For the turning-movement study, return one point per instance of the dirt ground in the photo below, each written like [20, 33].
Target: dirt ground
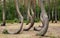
[53, 31]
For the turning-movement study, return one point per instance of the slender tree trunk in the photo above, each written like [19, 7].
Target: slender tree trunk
[55, 6]
[3, 12]
[52, 11]
[52, 15]
[33, 5]
[48, 9]
[26, 3]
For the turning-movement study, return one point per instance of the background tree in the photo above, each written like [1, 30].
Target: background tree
[55, 9]
[20, 19]
[3, 11]
[30, 15]
[49, 9]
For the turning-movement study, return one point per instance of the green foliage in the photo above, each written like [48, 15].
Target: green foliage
[12, 16]
[0, 12]
[10, 11]
[37, 20]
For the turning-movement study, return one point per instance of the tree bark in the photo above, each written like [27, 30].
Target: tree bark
[48, 9]
[52, 15]
[3, 12]
[31, 17]
[44, 20]
[20, 18]
[55, 6]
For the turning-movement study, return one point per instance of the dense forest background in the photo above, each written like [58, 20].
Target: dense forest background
[11, 15]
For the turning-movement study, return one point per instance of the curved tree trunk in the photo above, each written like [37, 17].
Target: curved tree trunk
[33, 5]
[31, 20]
[20, 17]
[44, 20]
[3, 12]
[33, 11]
[30, 17]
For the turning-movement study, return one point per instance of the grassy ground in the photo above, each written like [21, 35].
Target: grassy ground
[53, 31]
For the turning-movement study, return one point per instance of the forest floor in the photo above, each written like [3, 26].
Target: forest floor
[53, 31]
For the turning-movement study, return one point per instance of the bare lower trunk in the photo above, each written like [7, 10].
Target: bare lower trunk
[44, 20]
[52, 15]
[55, 5]
[20, 17]
[31, 20]
[3, 12]
[30, 17]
